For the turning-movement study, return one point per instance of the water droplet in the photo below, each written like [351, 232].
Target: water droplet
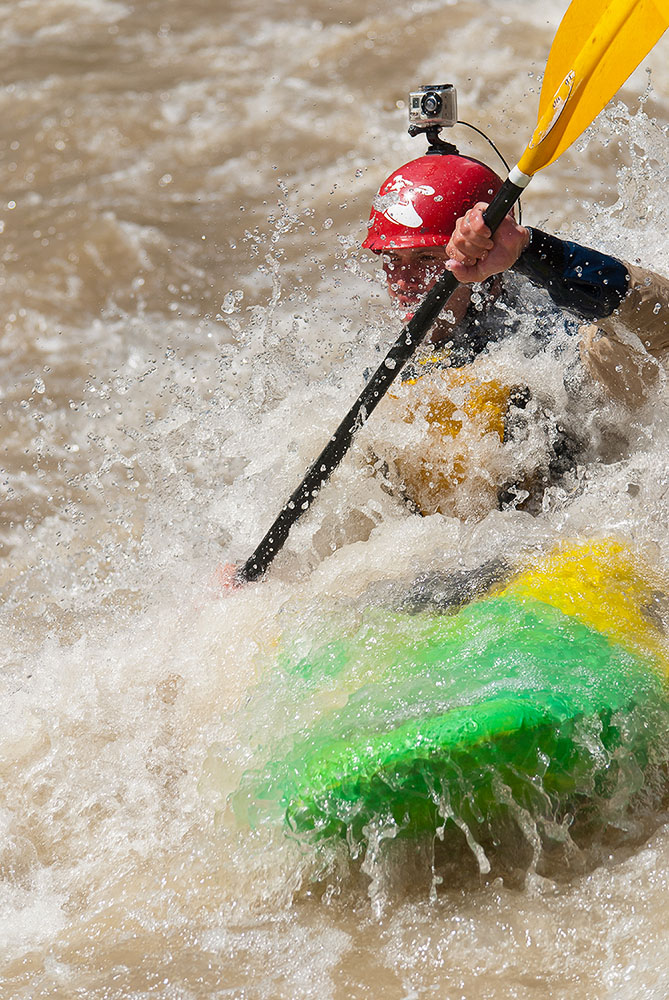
[231, 300]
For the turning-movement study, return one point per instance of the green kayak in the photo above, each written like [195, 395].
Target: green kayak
[546, 693]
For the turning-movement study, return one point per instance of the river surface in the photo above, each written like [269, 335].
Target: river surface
[186, 317]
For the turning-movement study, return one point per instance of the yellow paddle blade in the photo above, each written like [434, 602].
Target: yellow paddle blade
[597, 46]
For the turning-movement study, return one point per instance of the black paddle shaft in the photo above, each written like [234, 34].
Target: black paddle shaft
[405, 345]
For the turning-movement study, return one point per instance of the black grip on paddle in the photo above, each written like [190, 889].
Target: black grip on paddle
[504, 200]
[328, 460]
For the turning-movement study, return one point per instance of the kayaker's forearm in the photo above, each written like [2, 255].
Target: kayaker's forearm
[631, 371]
[627, 373]
[644, 310]
[588, 283]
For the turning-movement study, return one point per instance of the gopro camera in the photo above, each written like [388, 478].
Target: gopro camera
[434, 106]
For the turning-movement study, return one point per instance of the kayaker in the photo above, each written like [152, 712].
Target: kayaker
[427, 216]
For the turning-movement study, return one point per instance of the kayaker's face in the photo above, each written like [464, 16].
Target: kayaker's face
[411, 273]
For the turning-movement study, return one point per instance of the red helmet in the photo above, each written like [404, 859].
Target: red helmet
[419, 204]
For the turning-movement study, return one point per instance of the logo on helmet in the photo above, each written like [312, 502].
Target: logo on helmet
[397, 205]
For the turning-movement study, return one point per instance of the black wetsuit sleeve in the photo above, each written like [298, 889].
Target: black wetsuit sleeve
[586, 282]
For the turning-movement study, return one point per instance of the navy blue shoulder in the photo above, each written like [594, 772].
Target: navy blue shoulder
[586, 282]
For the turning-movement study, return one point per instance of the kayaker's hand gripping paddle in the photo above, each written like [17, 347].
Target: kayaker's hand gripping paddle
[597, 46]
